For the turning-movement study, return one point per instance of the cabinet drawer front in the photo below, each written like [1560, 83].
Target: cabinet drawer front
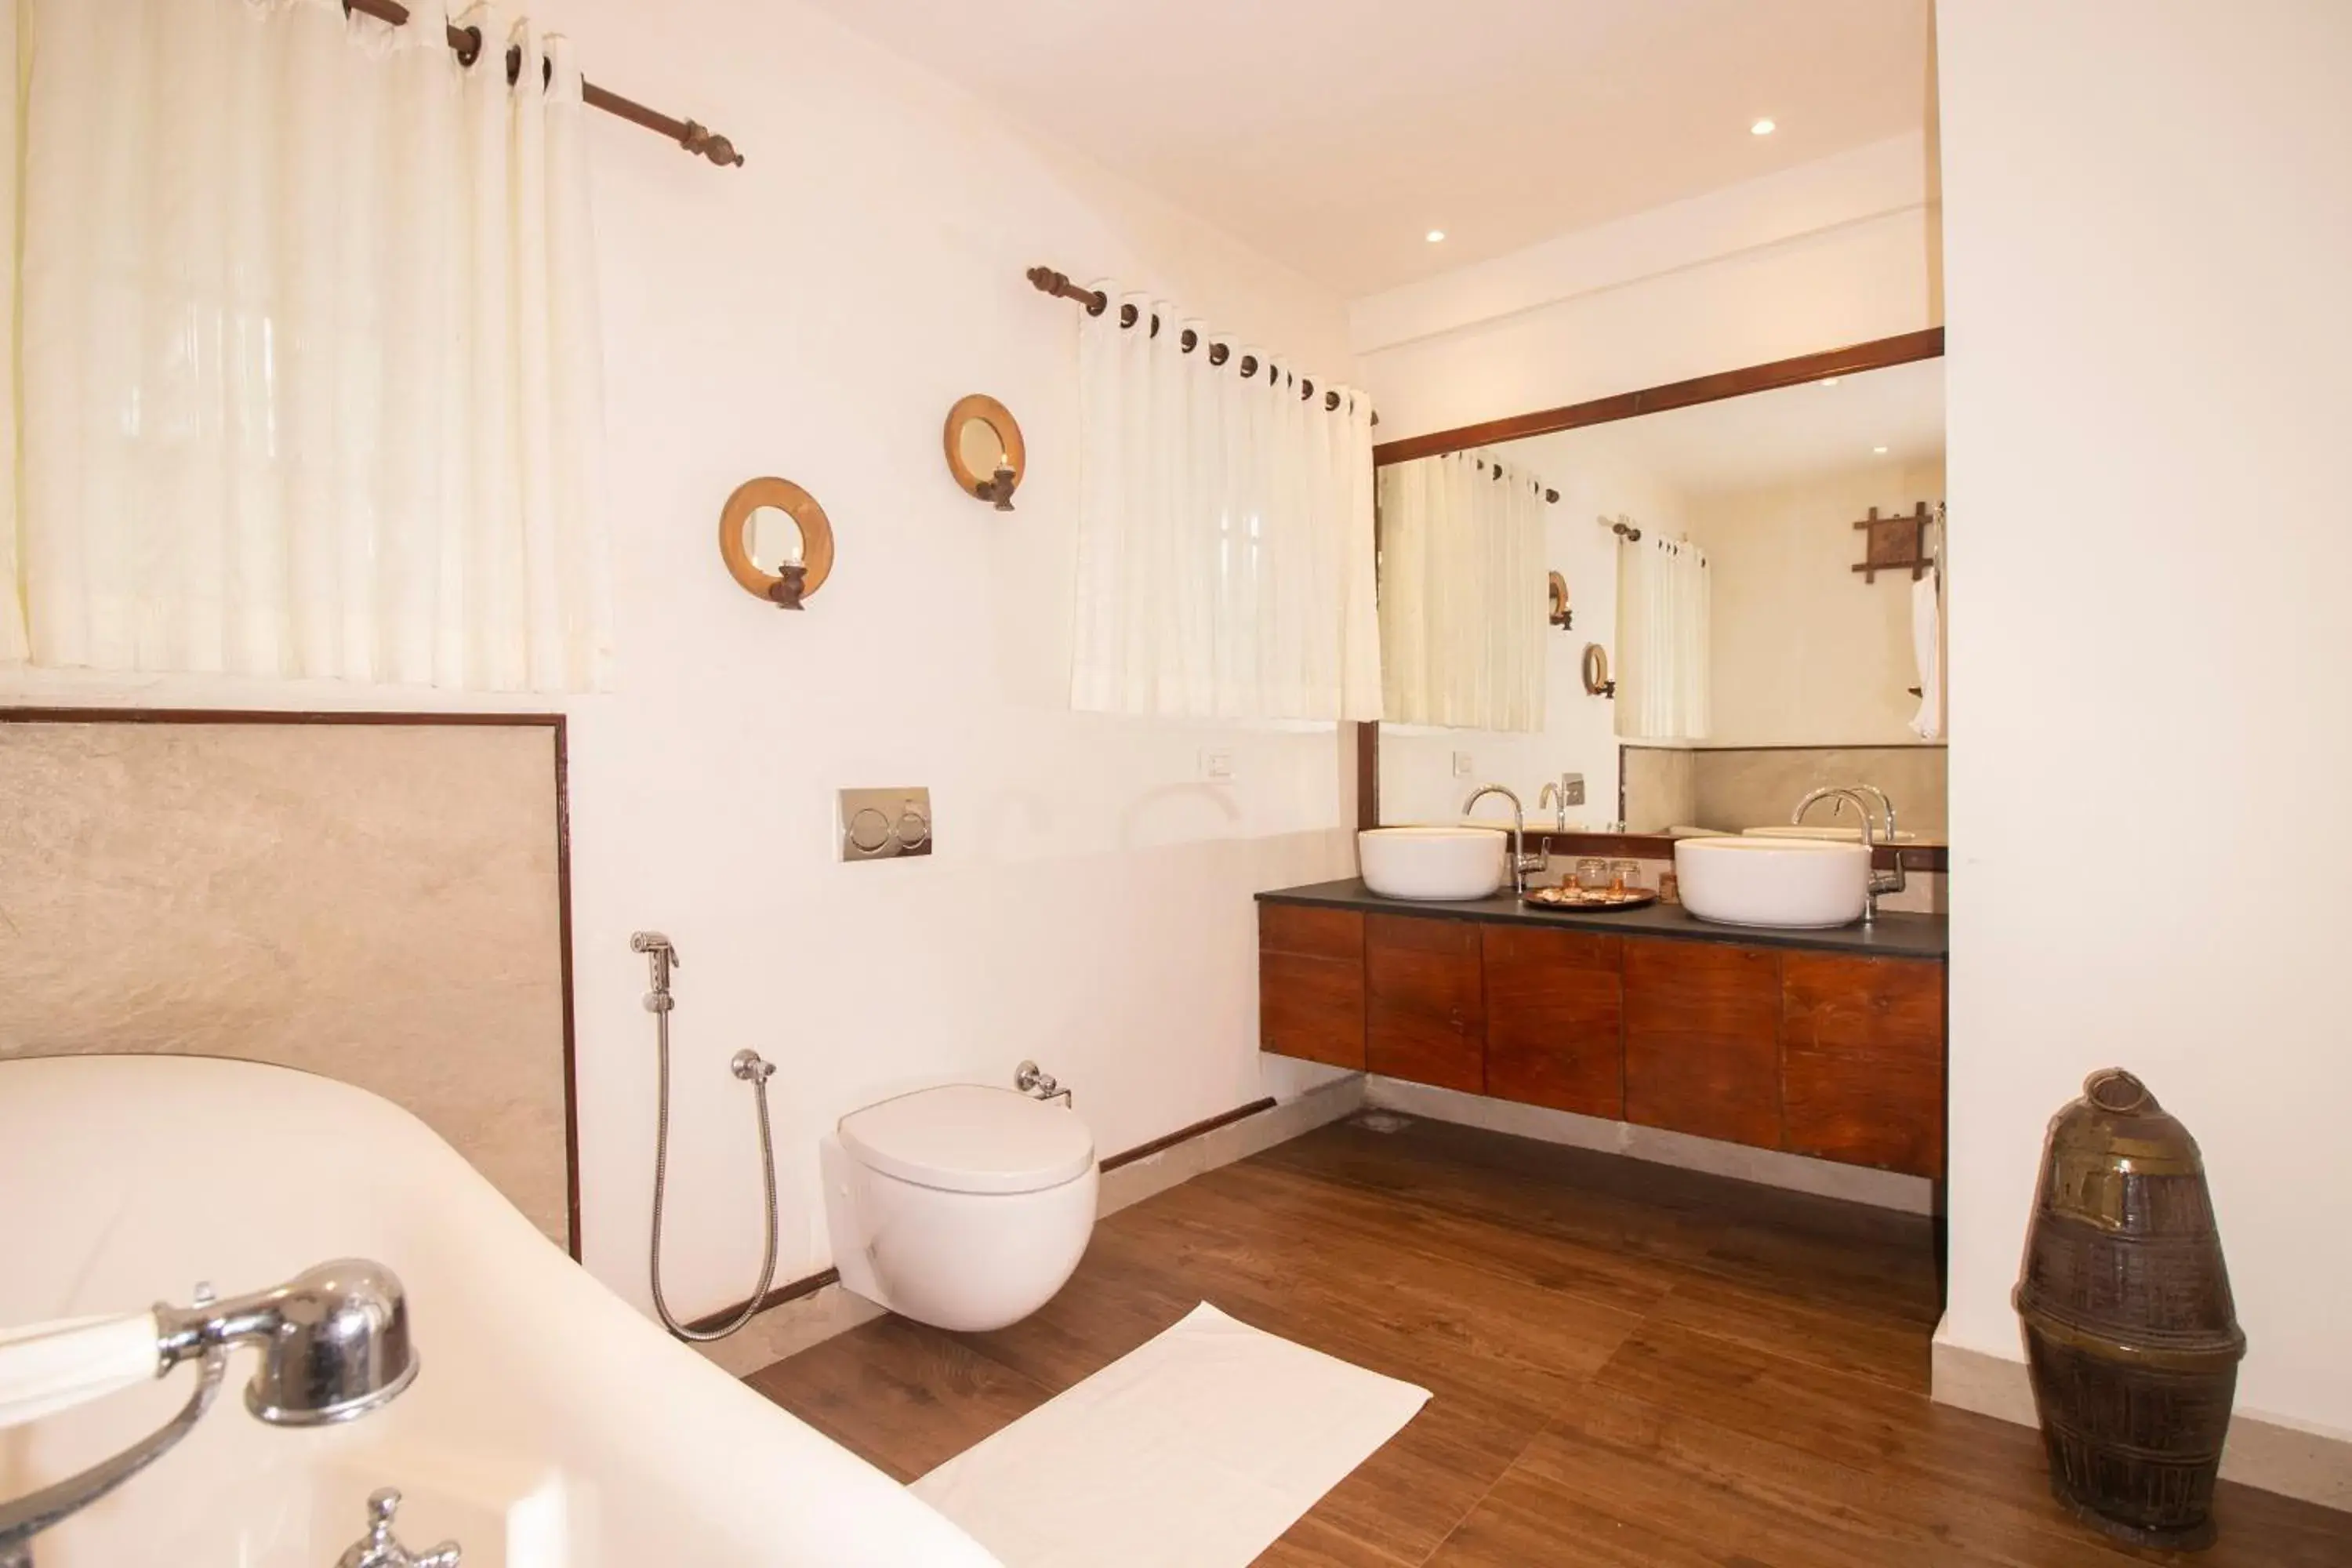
[1555, 1020]
[1315, 933]
[1862, 1060]
[1702, 1039]
[1312, 1009]
[1424, 1002]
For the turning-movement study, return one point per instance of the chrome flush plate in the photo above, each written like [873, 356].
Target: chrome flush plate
[885, 823]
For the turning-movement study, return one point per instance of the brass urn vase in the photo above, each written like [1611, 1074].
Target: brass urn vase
[2131, 1335]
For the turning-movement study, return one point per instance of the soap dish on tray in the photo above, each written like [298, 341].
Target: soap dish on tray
[1584, 900]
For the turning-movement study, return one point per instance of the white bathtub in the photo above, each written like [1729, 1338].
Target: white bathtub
[550, 1423]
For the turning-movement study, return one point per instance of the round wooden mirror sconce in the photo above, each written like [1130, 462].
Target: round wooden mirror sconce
[1561, 616]
[985, 452]
[776, 540]
[1596, 671]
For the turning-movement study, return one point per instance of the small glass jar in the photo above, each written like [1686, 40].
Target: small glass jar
[1625, 876]
[1592, 874]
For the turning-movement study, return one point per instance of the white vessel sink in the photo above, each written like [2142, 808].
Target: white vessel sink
[1806, 883]
[1434, 862]
[1839, 835]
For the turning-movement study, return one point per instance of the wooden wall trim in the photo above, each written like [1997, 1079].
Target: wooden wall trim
[1186, 1134]
[1880, 353]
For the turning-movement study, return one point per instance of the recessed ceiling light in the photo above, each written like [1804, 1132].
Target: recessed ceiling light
[1435, 237]
[1763, 128]
[1881, 451]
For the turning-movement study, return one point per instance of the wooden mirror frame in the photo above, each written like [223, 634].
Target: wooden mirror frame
[816, 540]
[999, 418]
[1879, 353]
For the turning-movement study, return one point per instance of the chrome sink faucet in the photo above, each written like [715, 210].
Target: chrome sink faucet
[1877, 882]
[1555, 797]
[1521, 861]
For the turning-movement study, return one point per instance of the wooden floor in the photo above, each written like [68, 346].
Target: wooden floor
[1631, 1366]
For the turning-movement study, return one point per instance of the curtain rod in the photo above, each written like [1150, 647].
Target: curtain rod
[466, 44]
[1048, 281]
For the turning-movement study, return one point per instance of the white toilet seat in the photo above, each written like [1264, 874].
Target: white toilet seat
[970, 1138]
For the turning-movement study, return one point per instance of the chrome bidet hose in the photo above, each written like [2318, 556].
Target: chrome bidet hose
[748, 1065]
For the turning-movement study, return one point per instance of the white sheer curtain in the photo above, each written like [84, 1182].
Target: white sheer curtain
[1465, 596]
[307, 354]
[1662, 651]
[1224, 530]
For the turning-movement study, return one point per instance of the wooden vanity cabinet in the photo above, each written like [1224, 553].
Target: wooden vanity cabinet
[1555, 1020]
[1424, 1002]
[1862, 1052]
[1703, 1040]
[1834, 1055]
[1310, 984]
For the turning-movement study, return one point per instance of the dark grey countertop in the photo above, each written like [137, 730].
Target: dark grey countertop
[1894, 936]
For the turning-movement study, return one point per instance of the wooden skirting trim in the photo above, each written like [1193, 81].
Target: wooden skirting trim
[816, 1283]
[1184, 1134]
[775, 1297]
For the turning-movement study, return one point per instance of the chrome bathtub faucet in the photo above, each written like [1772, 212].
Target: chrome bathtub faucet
[380, 1550]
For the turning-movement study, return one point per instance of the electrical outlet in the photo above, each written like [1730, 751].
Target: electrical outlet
[1571, 788]
[1464, 765]
[1217, 767]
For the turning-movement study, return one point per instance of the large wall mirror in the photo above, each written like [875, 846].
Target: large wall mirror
[1713, 553]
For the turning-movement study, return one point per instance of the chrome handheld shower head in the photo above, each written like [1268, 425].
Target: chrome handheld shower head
[333, 1341]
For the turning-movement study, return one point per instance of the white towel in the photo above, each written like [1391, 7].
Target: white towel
[1926, 647]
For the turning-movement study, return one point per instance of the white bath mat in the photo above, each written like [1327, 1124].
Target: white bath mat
[1195, 1451]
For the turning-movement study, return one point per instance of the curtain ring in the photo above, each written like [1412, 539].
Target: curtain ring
[471, 49]
[1155, 324]
[1306, 390]
[1126, 315]
[1219, 352]
[1190, 340]
[1249, 366]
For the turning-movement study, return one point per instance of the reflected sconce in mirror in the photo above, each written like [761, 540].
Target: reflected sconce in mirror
[1596, 671]
[1561, 616]
[776, 540]
[985, 452]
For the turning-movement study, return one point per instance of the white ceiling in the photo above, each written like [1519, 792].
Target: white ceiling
[1333, 134]
[1767, 439]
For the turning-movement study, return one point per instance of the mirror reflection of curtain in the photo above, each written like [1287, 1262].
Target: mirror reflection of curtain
[308, 349]
[1225, 531]
[1662, 605]
[1465, 594]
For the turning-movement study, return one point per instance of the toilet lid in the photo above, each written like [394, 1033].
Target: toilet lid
[968, 1138]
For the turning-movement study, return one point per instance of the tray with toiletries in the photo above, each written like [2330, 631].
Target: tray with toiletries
[1589, 900]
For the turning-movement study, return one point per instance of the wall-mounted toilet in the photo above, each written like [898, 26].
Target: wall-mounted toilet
[963, 1206]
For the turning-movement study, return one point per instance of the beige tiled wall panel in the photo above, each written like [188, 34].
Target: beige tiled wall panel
[374, 902]
[1738, 787]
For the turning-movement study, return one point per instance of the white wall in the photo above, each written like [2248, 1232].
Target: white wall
[2147, 242]
[1803, 652]
[813, 314]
